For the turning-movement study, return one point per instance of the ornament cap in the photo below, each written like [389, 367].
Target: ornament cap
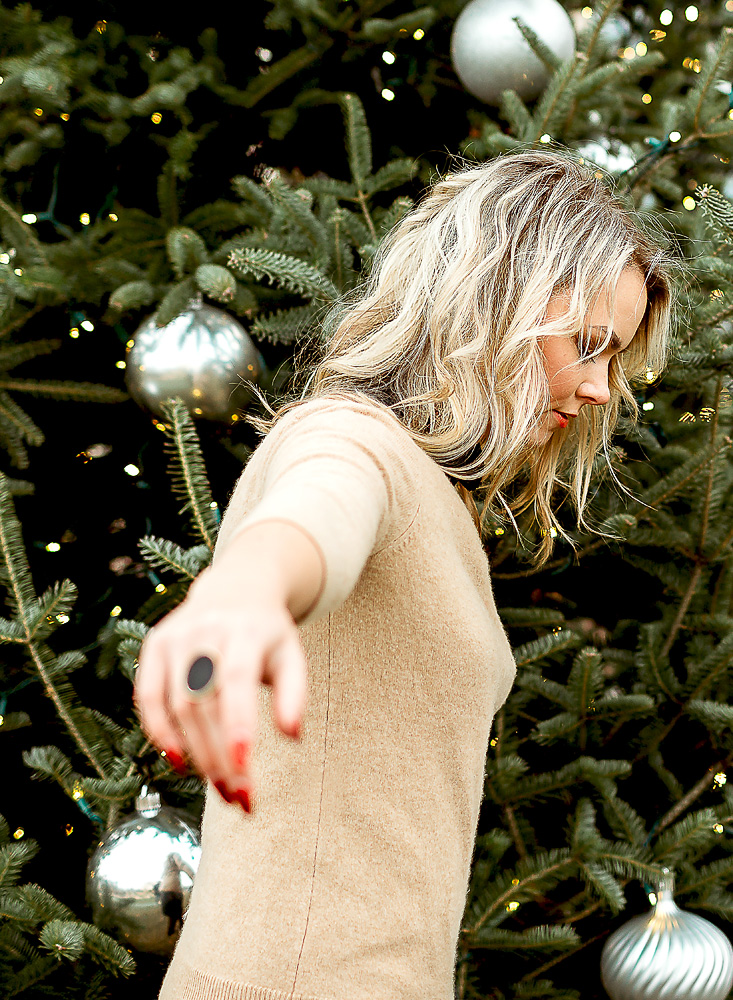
[147, 803]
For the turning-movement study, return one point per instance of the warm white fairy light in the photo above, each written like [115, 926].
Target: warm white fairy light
[132, 470]
[720, 778]
[388, 57]
[388, 94]
[546, 137]
[418, 35]
[689, 203]
[30, 218]
[116, 611]
[53, 547]
[587, 12]
[156, 118]
[691, 13]
[675, 136]
[666, 17]
[647, 406]
[641, 48]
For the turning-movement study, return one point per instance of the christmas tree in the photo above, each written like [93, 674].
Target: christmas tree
[153, 166]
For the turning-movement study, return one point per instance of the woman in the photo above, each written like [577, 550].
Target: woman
[334, 673]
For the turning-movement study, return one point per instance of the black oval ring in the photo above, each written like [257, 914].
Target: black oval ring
[200, 677]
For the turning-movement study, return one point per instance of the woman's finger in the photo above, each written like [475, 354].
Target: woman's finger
[287, 671]
[149, 696]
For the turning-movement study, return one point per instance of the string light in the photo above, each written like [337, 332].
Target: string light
[546, 137]
[156, 118]
[666, 17]
[18, 833]
[418, 35]
[657, 34]
[101, 27]
[641, 48]
[587, 13]
[629, 52]
[213, 505]
[646, 98]
[493, 742]
[74, 332]
[718, 828]
[512, 905]
[69, 829]
[38, 112]
[389, 57]
[63, 619]
[116, 610]
[720, 779]
[265, 55]
[653, 898]
[132, 470]
[120, 364]
[691, 13]
[53, 547]
[161, 588]
[30, 218]
[84, 218]
[498, 531]
[388, 94]
[675, 136]
[689, 203]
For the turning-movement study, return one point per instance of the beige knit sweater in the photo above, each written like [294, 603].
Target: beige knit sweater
[349, 880]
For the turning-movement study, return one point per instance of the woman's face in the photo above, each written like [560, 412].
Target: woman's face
[574, 383]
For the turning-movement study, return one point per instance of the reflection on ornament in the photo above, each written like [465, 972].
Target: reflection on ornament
[612, 155]
[139, 878]
[202, 356]
[667, 953]
[490, 53]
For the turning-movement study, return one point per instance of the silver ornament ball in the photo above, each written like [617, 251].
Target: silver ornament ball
[202, 356]
[140, 876]
[611, 154]
[667, 954]
[490, 53]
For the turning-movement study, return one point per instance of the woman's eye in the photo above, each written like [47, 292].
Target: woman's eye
[583, 350]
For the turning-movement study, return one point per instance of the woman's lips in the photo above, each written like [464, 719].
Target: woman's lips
[563, 421]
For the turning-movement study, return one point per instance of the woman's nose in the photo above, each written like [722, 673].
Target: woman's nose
[595, 390]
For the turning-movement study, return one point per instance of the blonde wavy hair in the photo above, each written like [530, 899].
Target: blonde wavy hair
[445, 331]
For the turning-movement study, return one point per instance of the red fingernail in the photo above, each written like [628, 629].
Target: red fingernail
[176, 761]
[222, 790]
[239, 754]
[242, 795]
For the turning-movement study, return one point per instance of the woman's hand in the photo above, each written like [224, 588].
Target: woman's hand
[251, 636]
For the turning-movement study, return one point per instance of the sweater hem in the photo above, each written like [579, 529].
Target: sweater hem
[199, 985]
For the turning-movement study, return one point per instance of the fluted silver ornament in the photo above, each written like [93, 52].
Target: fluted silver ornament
[140, 876]
[490, 54]
[667, 954]
[202, 356]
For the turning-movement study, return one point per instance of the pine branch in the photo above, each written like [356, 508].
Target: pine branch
[188, 471]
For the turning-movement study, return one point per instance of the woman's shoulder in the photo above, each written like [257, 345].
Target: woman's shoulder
[334, 408]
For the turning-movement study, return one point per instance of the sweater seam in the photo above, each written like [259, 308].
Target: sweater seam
[399, 538]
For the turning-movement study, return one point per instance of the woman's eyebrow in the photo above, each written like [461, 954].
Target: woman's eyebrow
[614, 342]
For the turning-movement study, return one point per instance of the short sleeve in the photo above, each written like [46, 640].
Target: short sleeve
[343, 473]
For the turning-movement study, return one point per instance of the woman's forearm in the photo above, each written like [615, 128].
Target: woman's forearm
[270, 559]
